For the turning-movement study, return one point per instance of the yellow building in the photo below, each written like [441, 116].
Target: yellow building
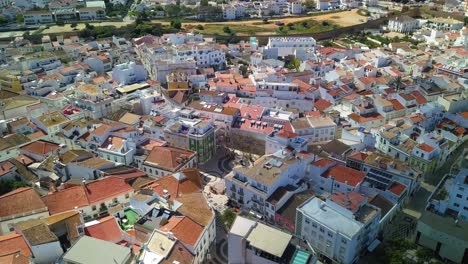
[10, 82]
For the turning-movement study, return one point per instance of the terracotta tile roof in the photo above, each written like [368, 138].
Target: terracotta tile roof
[65, 200]
[425, 147]
[381, 202]
[13, 243]
[464, 114]
[106, 229]
[364, 119]
[106, 188]
[102, 129]
[24, 159]
[169, 158]
[322, 104]
[180, 183]
[5, 167]
[323, 162]
[180, 254]
[14, 258]
[81, 196]
[286, 134]
[186, 230]
[345, 175]
[113, 143]
[22, 201]
[358, 156]
[195, 206]
[350, 201]
[420, 99]
[397, 188]
[396, 104]
[41, 147]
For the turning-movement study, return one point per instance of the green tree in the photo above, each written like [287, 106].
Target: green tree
[290, 26]
[173, 10]
[7, 186]
[200, 27]
[295, 64]
[176, 24]
[204, 3]
[3, 20]
[243, 70]
[228, 217]
[73, 25]
[310, 5]
[19, 19]
[227, 30]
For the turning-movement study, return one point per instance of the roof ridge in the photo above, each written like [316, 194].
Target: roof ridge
[16, 191]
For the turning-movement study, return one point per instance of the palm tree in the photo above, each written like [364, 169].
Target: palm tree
[398, 83]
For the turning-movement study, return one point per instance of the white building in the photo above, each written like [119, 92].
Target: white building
[403, 24]
[452, 195]
[251, 187]
[340, 227]
[279, 140]
[288, 45]
[129, 73]
[38, 17]
[295, 7]
[327, 4]
[314, 129]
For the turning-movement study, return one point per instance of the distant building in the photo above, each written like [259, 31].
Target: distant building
[403, 24]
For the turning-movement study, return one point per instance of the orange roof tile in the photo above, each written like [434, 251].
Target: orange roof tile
[169, 158]
[345, 175]
[397, 188]
[13, 243]
[322, 104]
[6, 167]
[425, 147]
[185, 182]
[323, 162]
[350, 201]
[41, 147]
[187, 231]
[21, 201]
[358, 156]
[107, 229]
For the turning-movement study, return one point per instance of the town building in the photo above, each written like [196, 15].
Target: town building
[340, 227]
[403, 24]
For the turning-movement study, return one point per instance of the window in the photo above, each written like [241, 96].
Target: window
[127, 195]
[314, 224]
[322, 230]
[114, 200]
[330, 234]
[459, 196]
[93, 207]
[307, 221]
[456, 204]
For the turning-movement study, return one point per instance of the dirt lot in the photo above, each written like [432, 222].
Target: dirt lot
[342, 19]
